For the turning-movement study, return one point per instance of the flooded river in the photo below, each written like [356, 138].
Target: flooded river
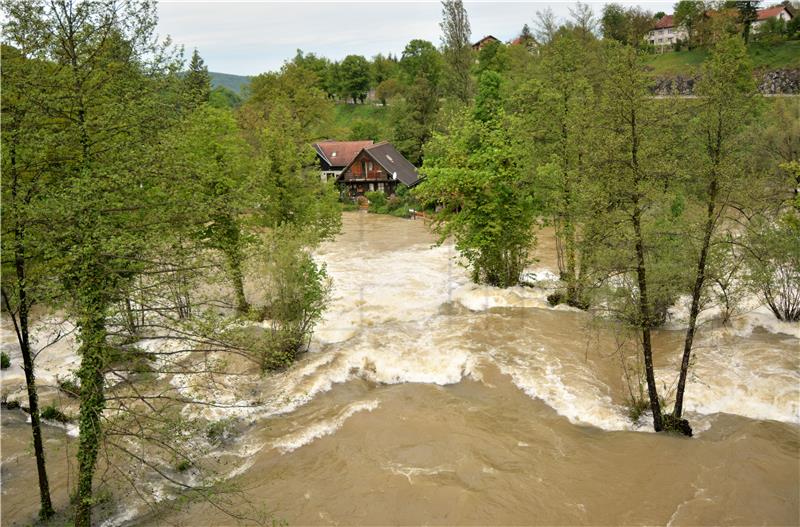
[428, 400]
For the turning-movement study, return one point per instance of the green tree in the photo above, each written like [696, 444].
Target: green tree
[728, 91]
[354, 73]
[457, 50]
[413, 118]
[319, 66]
[197, 81]
[211, 163]
[107, 99]
[748, 13]
[26, 146]
[474, 174]
[421, 59]
[688, 14]
[292, 88]
[636, 210]
[626, 25]
[565, 105]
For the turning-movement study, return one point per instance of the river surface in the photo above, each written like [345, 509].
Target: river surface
[428, 400]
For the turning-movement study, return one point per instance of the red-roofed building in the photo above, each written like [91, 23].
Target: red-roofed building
[773, 12]
[335, 155]
[665, 33]
[364, 166]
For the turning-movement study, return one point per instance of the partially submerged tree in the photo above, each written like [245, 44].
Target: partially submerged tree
[728, 93]
[486, 204]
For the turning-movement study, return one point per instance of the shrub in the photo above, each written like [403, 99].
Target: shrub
[298, 291]
[69, 387]
[52, 413]
[555, 298]
[5, 361]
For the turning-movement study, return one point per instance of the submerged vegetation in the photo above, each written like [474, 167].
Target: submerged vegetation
[174, 225]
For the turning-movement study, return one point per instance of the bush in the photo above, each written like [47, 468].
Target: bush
[5, 361]
[377, 202]
[298, 292]
[69, 387]
[556, 298]
[52, 413]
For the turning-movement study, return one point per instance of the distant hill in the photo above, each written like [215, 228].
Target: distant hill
[234, 83]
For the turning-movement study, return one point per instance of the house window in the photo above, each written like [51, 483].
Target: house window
[380, 187]
[372, 186]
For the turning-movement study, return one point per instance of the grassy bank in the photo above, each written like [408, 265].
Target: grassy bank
[362, 121]
[764, 57]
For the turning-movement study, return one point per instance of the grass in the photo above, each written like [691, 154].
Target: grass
[764, 57]
[362, 121]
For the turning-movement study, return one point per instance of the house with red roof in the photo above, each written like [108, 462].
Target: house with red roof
[666, 33]
[363, 166]
[781, 12]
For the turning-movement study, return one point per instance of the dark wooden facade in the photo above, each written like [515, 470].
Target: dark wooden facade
[364, 174]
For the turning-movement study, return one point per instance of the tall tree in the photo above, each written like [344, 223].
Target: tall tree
[637, 207]
[748, 13]
[421, 59]
[566, 105]
[583, 19]
[475, 174]
[27, 151]
[728, 92]
[545, 26]
[354, 73]
[457, 49]
[688, 14]
[107, 97]
[197, 81]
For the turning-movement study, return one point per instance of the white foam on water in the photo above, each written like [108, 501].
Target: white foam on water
[573, 391]
[295, 440]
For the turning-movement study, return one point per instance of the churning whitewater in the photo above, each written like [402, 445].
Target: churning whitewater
[425, 398]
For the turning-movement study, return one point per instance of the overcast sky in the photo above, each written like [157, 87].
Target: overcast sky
[247, 38]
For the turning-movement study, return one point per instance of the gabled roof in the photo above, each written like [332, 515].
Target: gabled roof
[392, 162]
[764, 14]
[664, 22]
[485, 40]
[340, 153]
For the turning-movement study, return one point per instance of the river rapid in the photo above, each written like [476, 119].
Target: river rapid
[428, 400]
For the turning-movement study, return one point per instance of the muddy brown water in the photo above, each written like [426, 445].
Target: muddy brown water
[428, 400]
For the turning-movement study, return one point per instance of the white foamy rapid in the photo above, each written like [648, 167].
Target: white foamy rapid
[304, 436]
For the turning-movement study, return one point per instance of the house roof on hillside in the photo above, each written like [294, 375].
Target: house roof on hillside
[394, 162]
[665, 22]
[485, 40]
[340, 153]
[764, 14]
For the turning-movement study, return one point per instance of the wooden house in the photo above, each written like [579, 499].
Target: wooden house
[484, 41]
[334, 156]
[378, 167]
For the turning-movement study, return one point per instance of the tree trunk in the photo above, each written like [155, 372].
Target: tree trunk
[645, 323]
[697, 290]
[21, 321]
[93, 359]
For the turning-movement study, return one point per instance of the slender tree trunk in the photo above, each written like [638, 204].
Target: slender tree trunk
[697, 290]
[93, 362]
[645, 323]
[21, 327]
[645, 316]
